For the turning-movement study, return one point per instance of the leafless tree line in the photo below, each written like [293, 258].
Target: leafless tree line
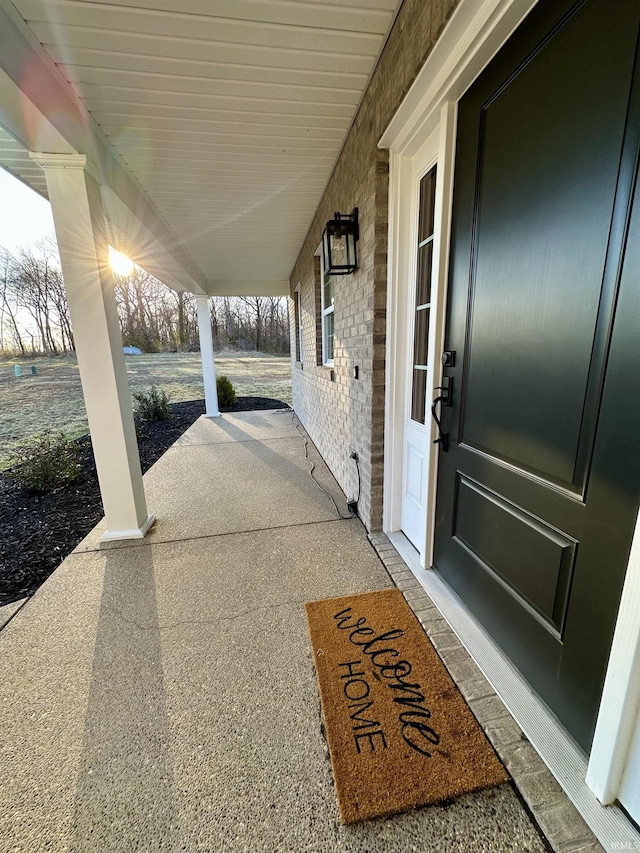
[34, 316]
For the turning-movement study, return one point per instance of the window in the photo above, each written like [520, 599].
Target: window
[327, 317]
[297, 304]
[423, 296]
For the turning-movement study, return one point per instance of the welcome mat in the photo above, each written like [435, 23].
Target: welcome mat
[399, 732]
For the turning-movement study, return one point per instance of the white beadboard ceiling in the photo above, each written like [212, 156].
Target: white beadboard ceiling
[229, 113]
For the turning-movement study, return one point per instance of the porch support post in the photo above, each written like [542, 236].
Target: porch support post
[206, 353]
[80, 230]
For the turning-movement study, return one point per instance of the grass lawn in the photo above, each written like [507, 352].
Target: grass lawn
[53, 398]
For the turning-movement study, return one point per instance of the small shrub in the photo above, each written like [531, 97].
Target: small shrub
[46, 462]
[226, 391]
[152, 405]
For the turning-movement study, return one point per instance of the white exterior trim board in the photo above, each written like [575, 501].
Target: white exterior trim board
[611, 772]
[471, 38]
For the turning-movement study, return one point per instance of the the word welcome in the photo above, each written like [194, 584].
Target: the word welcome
[416, 731]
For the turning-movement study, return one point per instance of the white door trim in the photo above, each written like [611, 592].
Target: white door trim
[401, 307]
[474, 34]
[406, 173]
[618, 717]
[472, 37]
[442, 238]
[399, 266]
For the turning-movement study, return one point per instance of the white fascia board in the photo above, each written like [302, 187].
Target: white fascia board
[39, 108]
[20, 118]
[474, 34]
[224, 287]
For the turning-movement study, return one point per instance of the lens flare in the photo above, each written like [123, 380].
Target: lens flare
[120, 263]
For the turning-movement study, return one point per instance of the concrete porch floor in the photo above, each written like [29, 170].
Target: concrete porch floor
[161, 695]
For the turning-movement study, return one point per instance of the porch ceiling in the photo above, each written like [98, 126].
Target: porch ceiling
[228, 113]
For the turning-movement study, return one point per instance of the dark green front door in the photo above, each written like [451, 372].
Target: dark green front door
[538, 493]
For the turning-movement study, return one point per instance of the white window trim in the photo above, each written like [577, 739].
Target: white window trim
[297, 317]
[325, 312]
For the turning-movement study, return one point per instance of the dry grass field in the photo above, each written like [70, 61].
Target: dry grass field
[53, 397]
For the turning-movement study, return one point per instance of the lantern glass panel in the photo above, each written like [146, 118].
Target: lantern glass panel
[351, 250]
[326, 250]
[339, 250]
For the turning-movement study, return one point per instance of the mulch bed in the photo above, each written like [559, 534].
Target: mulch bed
[39, 530]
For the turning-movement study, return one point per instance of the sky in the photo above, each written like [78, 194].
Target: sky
[25, 217]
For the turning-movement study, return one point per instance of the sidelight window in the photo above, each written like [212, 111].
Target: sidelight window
[297, 296]
[424, 263]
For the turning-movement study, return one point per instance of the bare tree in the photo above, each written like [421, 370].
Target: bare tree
[34, 279]
[135, 295]
[31, 276]
[253, 317]
[8, 306]
[152, 316]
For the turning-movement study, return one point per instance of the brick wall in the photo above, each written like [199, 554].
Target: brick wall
[342, 413]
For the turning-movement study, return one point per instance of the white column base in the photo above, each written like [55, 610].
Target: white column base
[215, 415]
[134, 533]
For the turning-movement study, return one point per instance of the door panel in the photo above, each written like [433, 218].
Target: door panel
[531, 558]
[546, 149]
[547, 167]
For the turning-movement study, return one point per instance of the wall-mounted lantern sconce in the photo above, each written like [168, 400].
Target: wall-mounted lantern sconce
[339, 244]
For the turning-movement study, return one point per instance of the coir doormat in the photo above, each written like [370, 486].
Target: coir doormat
[399, 732]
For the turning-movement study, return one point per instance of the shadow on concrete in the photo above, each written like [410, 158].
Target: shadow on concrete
[125, 791]
[283, 467]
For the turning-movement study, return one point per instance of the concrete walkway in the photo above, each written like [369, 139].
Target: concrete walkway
[161, 696]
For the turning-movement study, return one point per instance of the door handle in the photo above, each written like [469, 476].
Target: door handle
[446, 399]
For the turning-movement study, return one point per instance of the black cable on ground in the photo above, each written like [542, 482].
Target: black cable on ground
[356, 459]
[313, 467]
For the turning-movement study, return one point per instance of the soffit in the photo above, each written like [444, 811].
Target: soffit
[229, 113]
[15, 158]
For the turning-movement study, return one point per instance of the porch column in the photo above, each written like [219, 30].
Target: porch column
[80, 230]
[206, 353]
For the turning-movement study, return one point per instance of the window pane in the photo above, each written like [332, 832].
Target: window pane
[329, 336]
[328, 291]
[423, 283]
[421, 338]
[299, 325]
[418, 395]
[427, 204]
[423, 296]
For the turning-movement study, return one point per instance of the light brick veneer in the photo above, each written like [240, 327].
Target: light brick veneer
[341, 413]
